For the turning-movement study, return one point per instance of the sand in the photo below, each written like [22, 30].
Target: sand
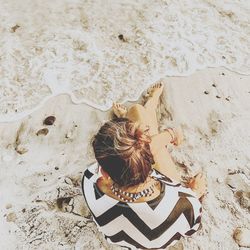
[71, 59]
[101, 51]
[42, 206]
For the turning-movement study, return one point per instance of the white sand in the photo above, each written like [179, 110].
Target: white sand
[42, 208]
[73, 46]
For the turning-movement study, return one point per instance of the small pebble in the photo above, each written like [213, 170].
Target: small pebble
[227, 99]
[223, 73]
[43, 131]
[242, 237]
[21, 150]
[69, 135]
[219, 180]
[49, 120]
[56, 168]
[206, 92]
[218, 97]
[14, 28]
[11, 217]
[121, 37]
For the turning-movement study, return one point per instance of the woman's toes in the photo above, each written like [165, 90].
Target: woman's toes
[119, 110]
[157, 87]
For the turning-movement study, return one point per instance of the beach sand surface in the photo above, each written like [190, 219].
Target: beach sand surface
[41, 166]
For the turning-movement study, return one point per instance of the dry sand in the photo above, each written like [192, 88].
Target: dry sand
[41, 201]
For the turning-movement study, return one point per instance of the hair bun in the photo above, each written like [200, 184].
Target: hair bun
[138, 134]
[141, 136]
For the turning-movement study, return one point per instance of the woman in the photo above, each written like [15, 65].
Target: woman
[134, 191]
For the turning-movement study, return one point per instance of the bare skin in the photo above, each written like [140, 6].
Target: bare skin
[146, 116]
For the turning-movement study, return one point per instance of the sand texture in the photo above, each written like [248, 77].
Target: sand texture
[101, 51]
[41, 166]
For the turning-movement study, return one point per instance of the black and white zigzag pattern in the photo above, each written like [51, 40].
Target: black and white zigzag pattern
[153, 224]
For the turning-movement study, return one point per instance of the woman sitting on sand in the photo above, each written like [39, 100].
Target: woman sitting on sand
[134, 191]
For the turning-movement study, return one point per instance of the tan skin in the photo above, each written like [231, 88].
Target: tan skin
[146, 116]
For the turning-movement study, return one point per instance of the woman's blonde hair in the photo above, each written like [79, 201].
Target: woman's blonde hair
[122, 149]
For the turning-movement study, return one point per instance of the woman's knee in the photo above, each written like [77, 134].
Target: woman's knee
[136, 108]
[136, 112]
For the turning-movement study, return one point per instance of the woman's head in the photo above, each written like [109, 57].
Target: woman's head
[122, 149]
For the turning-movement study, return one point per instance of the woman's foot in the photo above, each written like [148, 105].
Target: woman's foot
[119, 110]
[153, 95]
[155, 90]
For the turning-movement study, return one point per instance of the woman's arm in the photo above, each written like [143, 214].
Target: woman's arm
[170, 135]
[198, 184]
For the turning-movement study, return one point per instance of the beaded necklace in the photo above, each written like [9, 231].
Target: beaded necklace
[132, 197]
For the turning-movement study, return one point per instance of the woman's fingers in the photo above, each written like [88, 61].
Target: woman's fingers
[199, 184]
[179, 135]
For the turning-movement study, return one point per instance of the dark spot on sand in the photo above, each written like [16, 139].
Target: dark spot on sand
[44, 179]
[218, 97]
[43, 131]
[223, 73]
[49, 120]
[227, 98]
[223, 57]
[23, 210]
[231, 186]
[21, 150]
[206, 92]
[121, 37]
[56, 168]
[14, 28]
[214, 85]
[219, 120]
[61, 201]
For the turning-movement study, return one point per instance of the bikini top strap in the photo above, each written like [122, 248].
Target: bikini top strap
[164, 179]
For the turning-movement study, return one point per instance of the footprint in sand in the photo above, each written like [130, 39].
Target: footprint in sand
[238, 183]
[74, 205]
[214, 122]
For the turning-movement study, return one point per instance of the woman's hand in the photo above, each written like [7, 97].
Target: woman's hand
[178, 136]
[198, 184]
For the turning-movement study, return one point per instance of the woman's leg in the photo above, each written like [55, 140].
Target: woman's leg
[146, 115]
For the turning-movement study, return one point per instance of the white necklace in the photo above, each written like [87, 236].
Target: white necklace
[132, 197]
